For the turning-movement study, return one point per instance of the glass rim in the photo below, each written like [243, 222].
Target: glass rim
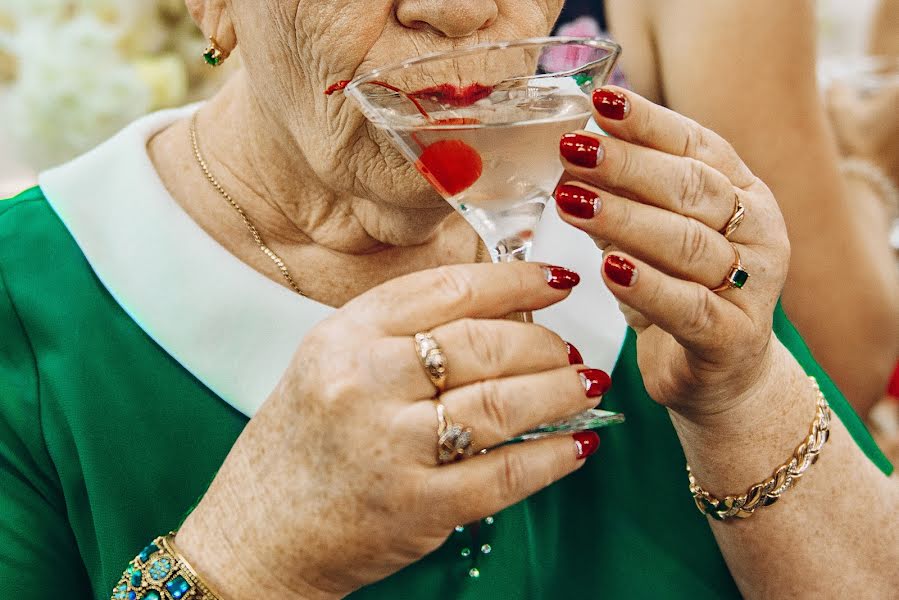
[361, 99]
[596, 42]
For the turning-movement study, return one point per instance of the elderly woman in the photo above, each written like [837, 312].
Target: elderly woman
[158, 361]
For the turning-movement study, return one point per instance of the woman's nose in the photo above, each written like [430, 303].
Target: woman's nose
[453, 19]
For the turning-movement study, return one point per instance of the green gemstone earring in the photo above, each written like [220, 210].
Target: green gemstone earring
[214, 55]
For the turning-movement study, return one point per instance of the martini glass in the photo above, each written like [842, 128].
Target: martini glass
[482, 124]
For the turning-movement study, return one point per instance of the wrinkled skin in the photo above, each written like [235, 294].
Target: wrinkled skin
[320, 42]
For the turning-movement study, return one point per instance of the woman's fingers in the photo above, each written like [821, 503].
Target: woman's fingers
[678, 245]
[632, 118]
[426, 299]
[682, 185]
[475, 350]
[499, 409]
[700, 320]
[484, 485]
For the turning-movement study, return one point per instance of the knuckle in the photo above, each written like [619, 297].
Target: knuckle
[625, 217]
[521, 279]
[646, 121]
[698, 318]
[625, 165]
[319, 339]
[480, 340]
[334, 391]
[383, 367]
[693, 186]
[514, 475]
[547, 338]
[730, 159]
[453, 282]
[493, 405]
[696, 140]
[694, 244]
[655, 294]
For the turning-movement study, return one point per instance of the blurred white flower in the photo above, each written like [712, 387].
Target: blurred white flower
[166, 77]
[109, 11]
[73, 72]
[73, 87]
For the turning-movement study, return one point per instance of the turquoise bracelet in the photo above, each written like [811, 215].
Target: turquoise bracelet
[159, 572]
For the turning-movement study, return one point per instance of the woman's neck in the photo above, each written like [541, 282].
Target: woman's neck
[335, 245]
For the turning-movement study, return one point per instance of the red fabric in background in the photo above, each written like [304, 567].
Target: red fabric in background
[893, 387]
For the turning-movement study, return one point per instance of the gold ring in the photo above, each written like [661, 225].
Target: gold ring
[737, 277]
[432, 359]
[736, 220]
[453, 440]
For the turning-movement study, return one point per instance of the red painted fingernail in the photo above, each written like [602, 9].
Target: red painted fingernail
[596, 382]
[621, 271]
[611, 105]
[574, 357]
[577, 201]
[585, 443]
[581, 150]
[561, 279]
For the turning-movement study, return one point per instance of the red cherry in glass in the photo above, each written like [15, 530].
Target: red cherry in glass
[452, 166]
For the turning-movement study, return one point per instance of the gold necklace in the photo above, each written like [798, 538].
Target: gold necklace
[253, 231]
[479, 257]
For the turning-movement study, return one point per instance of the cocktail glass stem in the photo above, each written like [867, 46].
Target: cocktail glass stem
[512, 249]
[509, 250]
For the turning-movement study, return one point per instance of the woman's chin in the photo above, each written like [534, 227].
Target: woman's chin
[403, 225]
[399, 185]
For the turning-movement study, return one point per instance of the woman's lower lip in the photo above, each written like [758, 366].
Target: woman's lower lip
[445, 93]
[337, 87]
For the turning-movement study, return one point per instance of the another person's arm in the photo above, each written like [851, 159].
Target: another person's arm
[747, 71]
[866, 126]
[885, 29]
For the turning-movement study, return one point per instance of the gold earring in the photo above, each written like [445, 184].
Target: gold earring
[214, 55]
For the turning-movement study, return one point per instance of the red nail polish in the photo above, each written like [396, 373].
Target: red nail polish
[585, 443]
[577, 201]
[574, 357]
[621, 271]
[611, 105]
[561, 279]
[596, 382]
[581, 150]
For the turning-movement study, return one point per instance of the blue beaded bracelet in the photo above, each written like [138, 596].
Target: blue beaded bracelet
[159, 572]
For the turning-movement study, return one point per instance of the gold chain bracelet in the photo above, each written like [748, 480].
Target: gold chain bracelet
[769, 491]
[159, 572]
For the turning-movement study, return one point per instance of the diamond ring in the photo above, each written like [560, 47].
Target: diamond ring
[454, 441]
[432, 359]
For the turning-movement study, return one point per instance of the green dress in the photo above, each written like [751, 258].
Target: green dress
[106, 440]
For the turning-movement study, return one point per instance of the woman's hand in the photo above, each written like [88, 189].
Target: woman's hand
[335, 484]
[655, 198]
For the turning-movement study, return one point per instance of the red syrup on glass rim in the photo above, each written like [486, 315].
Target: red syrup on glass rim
[451, 166]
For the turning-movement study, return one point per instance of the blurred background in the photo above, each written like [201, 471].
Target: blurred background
[131, 56]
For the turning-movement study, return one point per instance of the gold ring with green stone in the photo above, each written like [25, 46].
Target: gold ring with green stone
[737, 277]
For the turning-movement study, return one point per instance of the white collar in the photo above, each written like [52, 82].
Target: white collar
[231, 327]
